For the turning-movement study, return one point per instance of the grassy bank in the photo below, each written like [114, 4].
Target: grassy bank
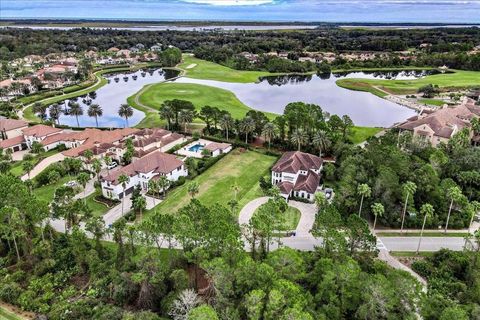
[201, 69]
[360, 134]
[425, 234]
[199, 95]
[215, 184]
[432, 102]
[459, 79]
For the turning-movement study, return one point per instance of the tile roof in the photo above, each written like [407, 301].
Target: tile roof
[294, 161]
[10, 124]
[309, 182]
[216, 145]
[11, 142]
[40, 130]
[285, 187]
[444, 120]
[62, 136]
[158, 162]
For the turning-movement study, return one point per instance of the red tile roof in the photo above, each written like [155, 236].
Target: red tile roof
[10, 124]
[157, 162]
[285, 187]
[309, 182]
[11, 142]
[294, 161]
[40, 130]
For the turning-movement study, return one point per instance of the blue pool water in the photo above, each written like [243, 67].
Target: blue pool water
[195, 148]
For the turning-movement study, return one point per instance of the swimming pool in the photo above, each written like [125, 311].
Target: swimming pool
[195, 148]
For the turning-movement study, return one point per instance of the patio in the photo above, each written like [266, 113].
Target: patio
[194, 149]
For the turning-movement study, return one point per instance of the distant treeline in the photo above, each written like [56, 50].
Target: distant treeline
[222, 46]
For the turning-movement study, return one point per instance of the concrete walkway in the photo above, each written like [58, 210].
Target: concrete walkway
[42, 165]
[89, 189]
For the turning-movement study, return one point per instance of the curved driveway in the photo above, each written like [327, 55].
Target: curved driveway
[304, 226]
[42, 165]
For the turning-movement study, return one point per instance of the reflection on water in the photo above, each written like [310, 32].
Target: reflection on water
[272, 94]
[109, 97]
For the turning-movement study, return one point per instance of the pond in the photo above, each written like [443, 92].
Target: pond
[269, 94]
[115, 93]
[272, 94]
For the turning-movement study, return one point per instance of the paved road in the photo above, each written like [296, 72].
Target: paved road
[42, 165]
[428, 243]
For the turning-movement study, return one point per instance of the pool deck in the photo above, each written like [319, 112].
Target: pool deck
[193, 154]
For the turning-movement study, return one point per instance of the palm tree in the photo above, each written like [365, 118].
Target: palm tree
[427, 211]
[139, 204]
[54, 112]
[28, 167]
[269, 131]
[97, 167]
[185, 117]
[193, 189]
[163, 184]
[83, 179]
[378, 210]
[166, 113]
[321, 141]
[125, 111]
[455, 194]
[299, 138]
[235, 189]
[41, 110]
[247, 126]
[108, 161]
[95, 111]
[226, 122]
[75, 110]
[364, 191]
[123, 179]
[409, 188]
[153, 188]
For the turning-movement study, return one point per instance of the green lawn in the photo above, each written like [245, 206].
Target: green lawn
[45, 193]
[98, 209]
[433, 102]
[410, 254]
[213, 71]
[244, 169]
[7, 315]
[292, 217]
[360, 134]
[17, 167]
[456, 80]
[199, 95]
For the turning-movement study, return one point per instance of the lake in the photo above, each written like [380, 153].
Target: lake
[272, 94]
[112, 95]
[269, 94]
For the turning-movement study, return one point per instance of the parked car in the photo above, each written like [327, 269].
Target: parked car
[71, 184]
[112, 165]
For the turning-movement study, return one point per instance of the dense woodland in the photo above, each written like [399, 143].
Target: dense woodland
[448, 45]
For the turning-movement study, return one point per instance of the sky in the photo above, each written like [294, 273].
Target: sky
[381, 11]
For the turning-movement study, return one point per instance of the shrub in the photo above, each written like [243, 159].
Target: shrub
[9, 291]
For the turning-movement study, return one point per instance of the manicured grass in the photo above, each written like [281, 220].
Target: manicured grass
[213, 71]
[199, 95]
[98, 209]
[425, 234]
[45, 193]
[241, 168]
[456, 80]
[408, 254]
[358, 85]
[7, 315]
[433, 102]
[17, 166]
[360, 134]
[292, 217]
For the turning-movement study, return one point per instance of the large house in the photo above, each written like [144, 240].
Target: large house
[441, 125]
[11, 128]
[141, 171]
[298, 174]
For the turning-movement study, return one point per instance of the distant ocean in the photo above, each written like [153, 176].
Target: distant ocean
[367, 11]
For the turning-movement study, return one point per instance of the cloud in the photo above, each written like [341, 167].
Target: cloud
[231, 2]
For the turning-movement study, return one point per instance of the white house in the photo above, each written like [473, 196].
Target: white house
[141, 171]
[39, 133]
[217, 149]
[298, 174]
